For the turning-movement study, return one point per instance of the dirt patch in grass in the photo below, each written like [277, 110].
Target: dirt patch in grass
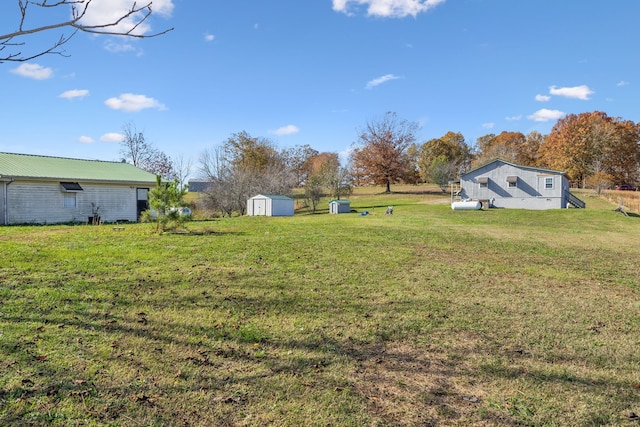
[439, 200]
[407, 385]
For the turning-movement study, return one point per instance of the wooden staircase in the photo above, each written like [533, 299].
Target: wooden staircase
[575, 201]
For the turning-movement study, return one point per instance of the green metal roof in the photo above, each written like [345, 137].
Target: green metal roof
[272, 196]
[26, 166]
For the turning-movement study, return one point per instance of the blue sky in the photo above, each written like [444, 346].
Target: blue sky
[315, 71]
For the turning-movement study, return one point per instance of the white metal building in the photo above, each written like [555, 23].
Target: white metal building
[270, 205]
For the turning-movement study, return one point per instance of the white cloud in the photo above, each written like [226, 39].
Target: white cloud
[388, 8]
[112, 137]
[543, 98]
[622, 83]
[85, 140]
[131, 102]
[109, 11]
[286, 130]
[514, 118]
[345, 154]
[117, 47]
[209, 37]
[74, 93]
[488, 125]
[33, 71]
[378, 81]
[545, 115]
[578, 92]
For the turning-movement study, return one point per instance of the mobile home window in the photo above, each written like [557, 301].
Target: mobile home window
[513, 181]
[548, 183]
[483, 181]
[69, 200]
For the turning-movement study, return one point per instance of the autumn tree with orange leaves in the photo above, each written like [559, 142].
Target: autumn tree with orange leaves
[380, 155]
[510, 146]
[593, 144]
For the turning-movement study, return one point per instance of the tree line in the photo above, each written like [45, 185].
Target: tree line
[244, 166]
[593, 149]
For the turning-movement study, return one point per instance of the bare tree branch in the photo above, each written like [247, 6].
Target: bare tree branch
[79, 10]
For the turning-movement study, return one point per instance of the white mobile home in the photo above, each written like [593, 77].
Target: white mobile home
[49, 190]
[502, 184]
[270, 205]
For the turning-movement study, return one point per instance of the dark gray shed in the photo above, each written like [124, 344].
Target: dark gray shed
[339, 206]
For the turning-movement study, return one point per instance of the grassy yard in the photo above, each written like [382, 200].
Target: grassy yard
[427, 317]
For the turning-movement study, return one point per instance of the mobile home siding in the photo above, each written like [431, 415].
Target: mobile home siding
[533, 189]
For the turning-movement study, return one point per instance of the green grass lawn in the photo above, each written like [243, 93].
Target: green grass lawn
[427, 317]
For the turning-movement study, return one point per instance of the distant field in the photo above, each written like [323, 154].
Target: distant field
[426, 317]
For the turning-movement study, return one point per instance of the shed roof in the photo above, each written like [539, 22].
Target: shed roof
[514, 165]
[29, 166]
[271, 196]
[340, 201]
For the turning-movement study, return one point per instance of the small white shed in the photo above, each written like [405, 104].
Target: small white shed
[270, 205]
[339, 206]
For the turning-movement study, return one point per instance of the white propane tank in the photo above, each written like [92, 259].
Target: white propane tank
[466, 205]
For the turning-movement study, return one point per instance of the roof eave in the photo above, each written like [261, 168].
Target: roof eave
[497, 159]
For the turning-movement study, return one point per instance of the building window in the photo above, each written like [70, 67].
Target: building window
[483, 181]
[512, 181]
[548, 183]
[69, 200]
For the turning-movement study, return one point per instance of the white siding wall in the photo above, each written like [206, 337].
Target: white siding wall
[42, 203]
[3, 219]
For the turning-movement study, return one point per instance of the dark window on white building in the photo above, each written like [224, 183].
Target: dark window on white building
[548, 183]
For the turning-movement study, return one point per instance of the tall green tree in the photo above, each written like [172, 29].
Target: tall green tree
[166, 199]
[441, 171]
[379, 155]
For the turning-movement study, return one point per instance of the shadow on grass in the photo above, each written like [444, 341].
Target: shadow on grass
[192, 233]
[398, 381]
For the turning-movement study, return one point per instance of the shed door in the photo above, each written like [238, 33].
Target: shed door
[259, 206]
[142, 195]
